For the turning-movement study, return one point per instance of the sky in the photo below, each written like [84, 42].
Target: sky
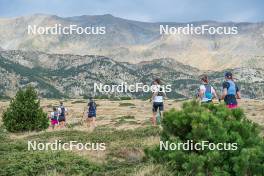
[142, 10]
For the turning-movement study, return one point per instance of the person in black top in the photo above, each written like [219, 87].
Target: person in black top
[62, 114]
[91, 113]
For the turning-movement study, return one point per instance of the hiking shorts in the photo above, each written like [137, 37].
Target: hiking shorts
[232, 106]
[54, 122]
[91, 114]
[157, 105]
[62, 119]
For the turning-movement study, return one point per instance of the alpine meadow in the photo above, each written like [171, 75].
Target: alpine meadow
[131, 88]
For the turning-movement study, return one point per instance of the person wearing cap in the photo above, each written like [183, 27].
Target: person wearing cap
[231, 91]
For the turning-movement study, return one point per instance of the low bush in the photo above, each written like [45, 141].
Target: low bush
[215, 124]
[125, 98]
[46, 163]
[126, 104]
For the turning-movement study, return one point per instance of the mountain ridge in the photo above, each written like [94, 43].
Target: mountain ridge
[134, 41]
[74, 76]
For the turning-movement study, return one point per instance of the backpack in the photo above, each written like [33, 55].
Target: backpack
[208, 92]
[231, 90]
[160, 92]
[92, 107]
[62, 111]
[55, 116]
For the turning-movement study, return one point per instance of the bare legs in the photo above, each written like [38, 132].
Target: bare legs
[62, 124]
[154, 117]
[90, 122]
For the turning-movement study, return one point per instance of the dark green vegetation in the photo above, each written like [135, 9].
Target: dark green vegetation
[31, 75]
[126, 119]
[25, 113]
[79, 101]
[126, 104]
[216, 124]
[123, 156]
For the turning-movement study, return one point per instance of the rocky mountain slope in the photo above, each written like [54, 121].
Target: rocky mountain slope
[134, 42]
[65, 75]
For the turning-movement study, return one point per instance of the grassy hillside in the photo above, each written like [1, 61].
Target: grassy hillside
[123, 125]
[124, 154]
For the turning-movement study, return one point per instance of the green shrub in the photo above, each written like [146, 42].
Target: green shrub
[125, 98]
[216, 124]
[114, 98]
[126, 104]
[79, 101]
[86, 97]
[127, 117]
[100, 97]
[46, 163]
[24, 112]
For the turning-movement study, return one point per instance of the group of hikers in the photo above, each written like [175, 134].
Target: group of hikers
[58, 115]
[206, 93]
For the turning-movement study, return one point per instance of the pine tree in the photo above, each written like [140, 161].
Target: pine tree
[216, 124]
[24, 112]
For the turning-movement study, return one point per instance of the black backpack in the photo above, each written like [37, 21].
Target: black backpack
[62, 111]
[160, 93]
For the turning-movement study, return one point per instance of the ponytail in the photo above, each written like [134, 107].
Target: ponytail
[205, 79]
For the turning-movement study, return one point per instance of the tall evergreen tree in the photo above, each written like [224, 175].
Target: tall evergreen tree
[24, 112]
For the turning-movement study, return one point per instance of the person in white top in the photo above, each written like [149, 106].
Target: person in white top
[206, 91]
[54, 116]
[158, 95]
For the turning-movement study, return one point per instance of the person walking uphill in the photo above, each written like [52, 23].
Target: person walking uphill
[231, 91]
[158, 95]
[62, 114]
[206, 91]
[54, 116]
[91, 113]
